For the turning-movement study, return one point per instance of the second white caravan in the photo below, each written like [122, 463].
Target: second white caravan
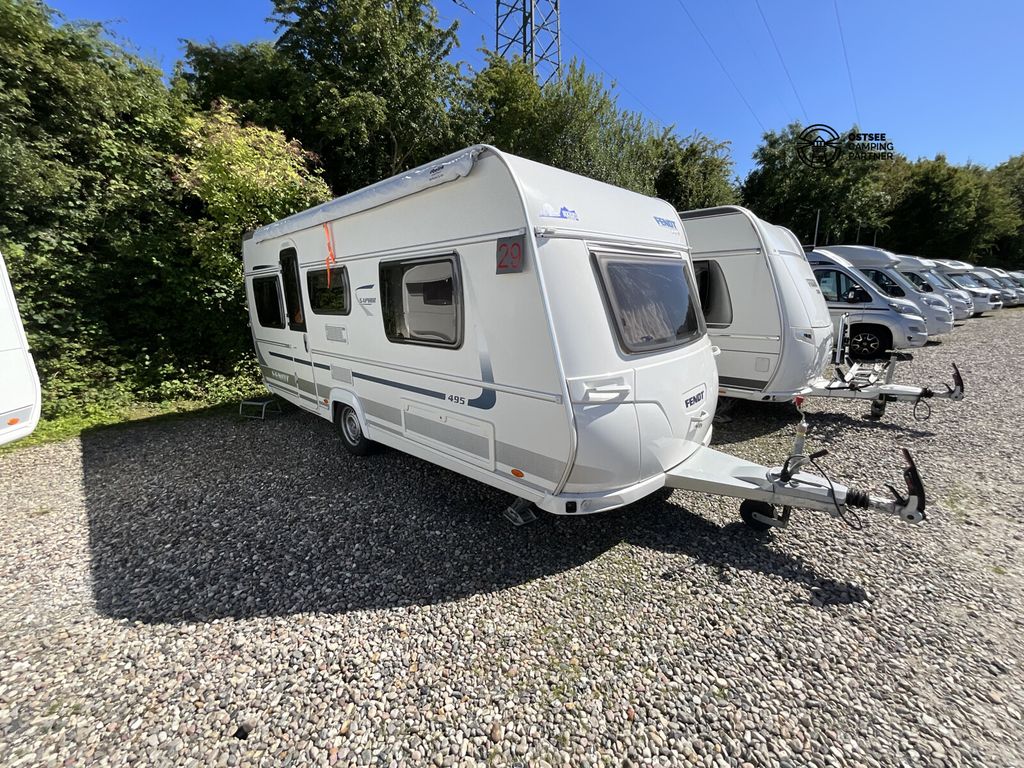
[765, 311]
[526, 327]
[19, 384]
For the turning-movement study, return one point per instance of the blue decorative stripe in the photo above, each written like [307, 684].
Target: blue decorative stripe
[398, 385]
[293, 359]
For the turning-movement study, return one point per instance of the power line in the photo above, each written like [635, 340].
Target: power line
[720, 64]
[846, 58]
[782, 61]
[611, 77]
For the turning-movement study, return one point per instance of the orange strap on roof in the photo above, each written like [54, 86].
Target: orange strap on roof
[331, 258]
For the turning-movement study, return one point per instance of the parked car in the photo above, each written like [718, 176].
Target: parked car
[876, 322]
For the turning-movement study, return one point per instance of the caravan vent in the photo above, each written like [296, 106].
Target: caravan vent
[336, 333]
[341, 374]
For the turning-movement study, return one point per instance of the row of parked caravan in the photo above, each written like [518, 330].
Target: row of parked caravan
[780, 312]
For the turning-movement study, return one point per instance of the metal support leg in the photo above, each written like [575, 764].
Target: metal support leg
[520, 512]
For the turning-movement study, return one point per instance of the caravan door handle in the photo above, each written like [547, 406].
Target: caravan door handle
[605, 394]
[701, 417]
[305, 342]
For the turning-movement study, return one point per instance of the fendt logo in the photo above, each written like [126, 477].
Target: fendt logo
[691, 401]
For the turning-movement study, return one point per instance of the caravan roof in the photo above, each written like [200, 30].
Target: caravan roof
[555, 201]
[915, 262]
[865, 255]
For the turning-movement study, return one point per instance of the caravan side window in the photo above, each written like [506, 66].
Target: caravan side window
[292, 289]
[421, 301]
[267, 298]
[713, 291]
[328, 296]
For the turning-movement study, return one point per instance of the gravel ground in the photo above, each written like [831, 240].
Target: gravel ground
[210, 591]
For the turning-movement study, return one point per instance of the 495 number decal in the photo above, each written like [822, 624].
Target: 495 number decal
[510, 254]
[456, 399]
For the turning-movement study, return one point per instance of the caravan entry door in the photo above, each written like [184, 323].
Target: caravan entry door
[19, 385]
[282, 342]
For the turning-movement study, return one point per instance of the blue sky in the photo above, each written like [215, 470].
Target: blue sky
[934, 75]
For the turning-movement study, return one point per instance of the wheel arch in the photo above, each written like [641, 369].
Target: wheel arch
[340, 397]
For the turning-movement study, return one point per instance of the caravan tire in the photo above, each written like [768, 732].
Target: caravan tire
[347, 423]
[869, 342]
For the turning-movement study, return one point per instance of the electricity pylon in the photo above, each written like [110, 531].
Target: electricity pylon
[531, 29]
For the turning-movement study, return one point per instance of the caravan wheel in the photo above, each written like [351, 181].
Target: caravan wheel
[347, 423]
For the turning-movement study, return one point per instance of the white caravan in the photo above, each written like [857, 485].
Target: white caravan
[523, 326]
[923, 274]
[762, 306]
[19, 384]
[765, 311]
[959, 273]
[881, 268]
[876, 323]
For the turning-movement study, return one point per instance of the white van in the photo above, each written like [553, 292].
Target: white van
[19, 384]
[881, 268]
[523, 326]
[922, 273]
[761, 303]
[875, 322]
[1005, 283]
[985, 299]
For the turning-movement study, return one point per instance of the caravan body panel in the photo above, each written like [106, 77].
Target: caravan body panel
[19, 383]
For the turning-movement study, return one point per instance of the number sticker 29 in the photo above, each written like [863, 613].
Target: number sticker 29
[509, 256]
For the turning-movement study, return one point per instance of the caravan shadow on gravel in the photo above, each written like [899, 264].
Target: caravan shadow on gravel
[214, 517]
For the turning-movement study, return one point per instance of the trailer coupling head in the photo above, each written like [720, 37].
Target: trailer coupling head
[910, 507]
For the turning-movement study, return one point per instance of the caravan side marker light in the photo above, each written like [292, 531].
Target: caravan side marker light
[12, 422]
[517, 473]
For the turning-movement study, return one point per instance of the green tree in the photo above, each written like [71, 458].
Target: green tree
[695, 173]
[574, 123]
[87, 215]
[949, 211]
[365, 85]
[1009, 249]
[852, 196]
[238, 177]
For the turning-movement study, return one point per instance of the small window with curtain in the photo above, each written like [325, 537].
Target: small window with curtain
[328, 291]
[266, 296]
[421, 301]
[713, 292]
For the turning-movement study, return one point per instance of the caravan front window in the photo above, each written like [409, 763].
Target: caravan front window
[421, 301]
[652, 302]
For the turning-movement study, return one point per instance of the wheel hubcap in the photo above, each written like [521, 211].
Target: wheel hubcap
[350, 425]
[865, 343]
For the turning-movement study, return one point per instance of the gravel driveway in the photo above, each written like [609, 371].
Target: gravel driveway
[210, 591]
